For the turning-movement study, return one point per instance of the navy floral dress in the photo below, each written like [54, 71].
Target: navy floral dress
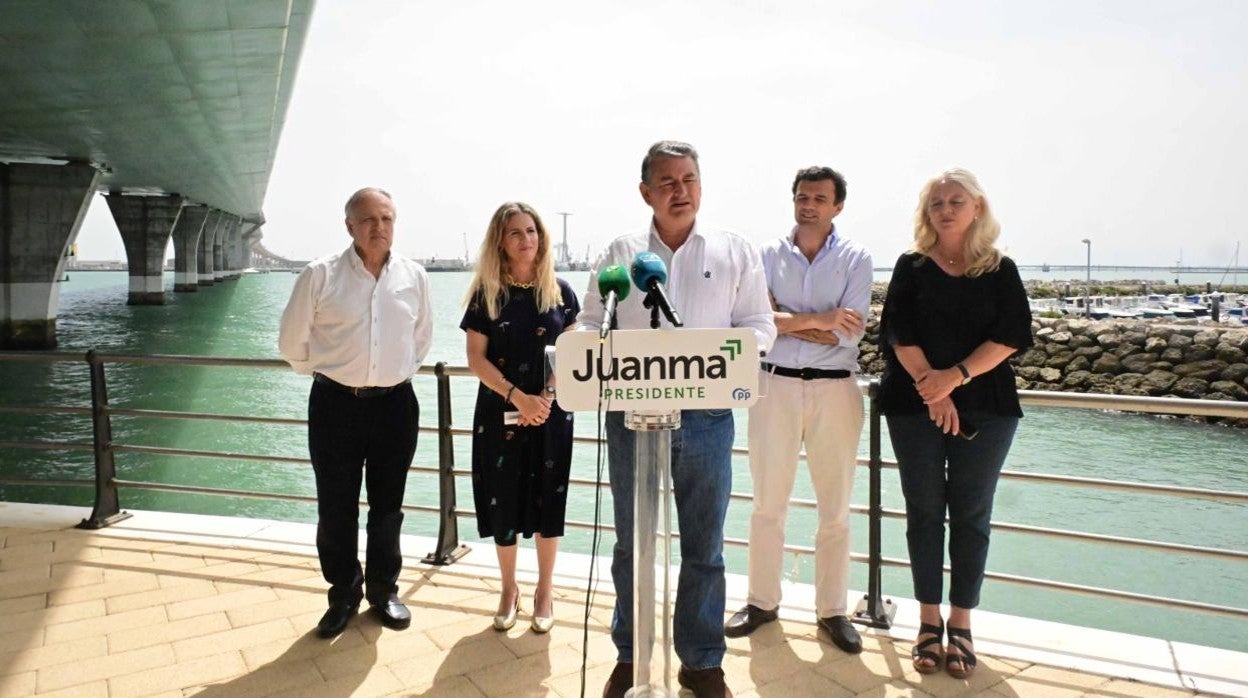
[520, 474]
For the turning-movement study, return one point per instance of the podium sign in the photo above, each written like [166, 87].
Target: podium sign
[668, 369]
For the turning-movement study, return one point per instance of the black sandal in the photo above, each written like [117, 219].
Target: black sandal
[966, 659]
[918, 652]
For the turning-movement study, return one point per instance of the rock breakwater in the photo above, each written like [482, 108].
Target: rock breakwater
[1121, 357]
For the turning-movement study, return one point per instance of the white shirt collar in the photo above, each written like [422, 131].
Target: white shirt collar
[654, 234]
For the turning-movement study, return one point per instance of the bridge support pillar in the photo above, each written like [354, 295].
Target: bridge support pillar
[234, 255]
[145, 222]
[228, 223]
[41, 209]
[229, 253]
[247, 246]
[206, 239]
[237, 254]
[186, 234]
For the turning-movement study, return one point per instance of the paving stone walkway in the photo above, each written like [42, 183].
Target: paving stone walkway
[139, 613]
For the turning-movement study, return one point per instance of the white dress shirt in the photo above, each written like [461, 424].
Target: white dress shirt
[355, 329]
[715, 279]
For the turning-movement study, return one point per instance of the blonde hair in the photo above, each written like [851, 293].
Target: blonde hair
[979, 247]
[489, 280]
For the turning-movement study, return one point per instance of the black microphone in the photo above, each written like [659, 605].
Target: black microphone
[650, 273]
[614, 287]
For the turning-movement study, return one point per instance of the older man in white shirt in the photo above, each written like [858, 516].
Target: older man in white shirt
[715, 279]
[359, 322]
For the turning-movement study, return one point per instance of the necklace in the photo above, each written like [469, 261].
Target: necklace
[517, 284]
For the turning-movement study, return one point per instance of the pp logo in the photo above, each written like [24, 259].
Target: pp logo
[741, 394]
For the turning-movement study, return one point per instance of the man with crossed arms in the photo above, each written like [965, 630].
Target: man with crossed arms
[820, 286]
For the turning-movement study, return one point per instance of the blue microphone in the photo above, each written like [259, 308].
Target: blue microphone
[650, 273]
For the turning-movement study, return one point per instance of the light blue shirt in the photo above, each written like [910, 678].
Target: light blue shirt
[840, 277]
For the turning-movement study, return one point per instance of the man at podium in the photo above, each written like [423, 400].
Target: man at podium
[715, 279]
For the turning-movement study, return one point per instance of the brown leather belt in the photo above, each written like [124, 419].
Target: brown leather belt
[366, 391]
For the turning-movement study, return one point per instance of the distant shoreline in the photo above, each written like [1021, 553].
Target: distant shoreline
[1079, 271]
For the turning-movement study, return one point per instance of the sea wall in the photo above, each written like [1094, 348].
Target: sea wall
[1121, 357]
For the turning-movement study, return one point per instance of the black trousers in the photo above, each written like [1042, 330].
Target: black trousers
[353, 439]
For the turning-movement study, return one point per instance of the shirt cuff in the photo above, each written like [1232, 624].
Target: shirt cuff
[303, 368]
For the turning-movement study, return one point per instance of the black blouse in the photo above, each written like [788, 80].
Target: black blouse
[948, 317]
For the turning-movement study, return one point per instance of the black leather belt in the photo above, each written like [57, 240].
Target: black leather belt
[806, 374]
[367, 391]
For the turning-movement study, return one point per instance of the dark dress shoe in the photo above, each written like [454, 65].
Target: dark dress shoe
[620, 681]
[335, 619]
[844, 634]
[705, 683]
[747, 620]
[393, 613]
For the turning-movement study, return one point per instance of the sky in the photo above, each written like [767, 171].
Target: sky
[1122, 122]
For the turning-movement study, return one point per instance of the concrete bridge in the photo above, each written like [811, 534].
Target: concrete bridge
[172, 109]
[264, 258]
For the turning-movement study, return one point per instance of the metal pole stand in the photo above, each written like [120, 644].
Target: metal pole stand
[874, 610]
[448, 550]
[107, 509]
[653, 459]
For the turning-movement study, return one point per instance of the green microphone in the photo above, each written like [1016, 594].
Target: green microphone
[614, 285]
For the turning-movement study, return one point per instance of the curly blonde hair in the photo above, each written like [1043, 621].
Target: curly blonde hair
[979, 246]
[489, 280]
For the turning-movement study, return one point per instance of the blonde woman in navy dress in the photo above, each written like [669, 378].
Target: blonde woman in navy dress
[517, 308]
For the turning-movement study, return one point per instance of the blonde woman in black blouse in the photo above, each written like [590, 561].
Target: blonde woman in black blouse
[955, 311]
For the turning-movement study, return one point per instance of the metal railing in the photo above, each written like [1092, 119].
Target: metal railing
[874, 610]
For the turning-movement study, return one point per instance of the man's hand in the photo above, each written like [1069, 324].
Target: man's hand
[817, 336]
[847, 320]
[817, 327]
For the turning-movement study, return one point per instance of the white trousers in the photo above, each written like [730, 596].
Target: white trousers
[826, 415]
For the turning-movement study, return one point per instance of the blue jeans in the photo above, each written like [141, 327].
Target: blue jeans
[940, 471]
[701, 482]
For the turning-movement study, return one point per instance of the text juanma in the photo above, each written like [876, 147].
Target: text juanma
[631, 368]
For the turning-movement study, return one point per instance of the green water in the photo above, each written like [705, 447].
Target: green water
[240, 318]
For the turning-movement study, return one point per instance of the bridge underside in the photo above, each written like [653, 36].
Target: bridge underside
[172, 108]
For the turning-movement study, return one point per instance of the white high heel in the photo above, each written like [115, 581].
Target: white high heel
[543, 624]
[508, 621]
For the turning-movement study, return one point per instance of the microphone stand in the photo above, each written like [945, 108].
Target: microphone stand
[652, 457]
[608, 328]
[651, 301]
[652, 452]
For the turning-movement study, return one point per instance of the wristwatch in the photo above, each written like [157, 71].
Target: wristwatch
[966, 375]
